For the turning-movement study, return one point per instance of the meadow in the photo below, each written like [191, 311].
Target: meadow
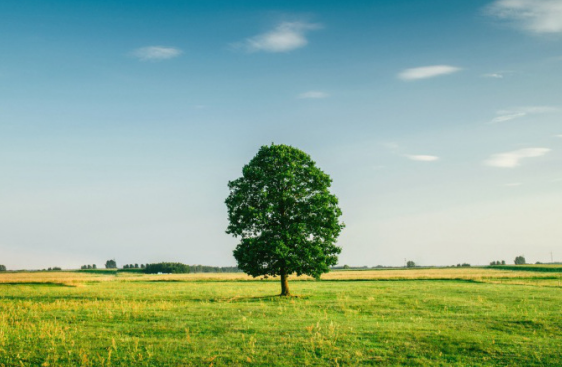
[419, 317]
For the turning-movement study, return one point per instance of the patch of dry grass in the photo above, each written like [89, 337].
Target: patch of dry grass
[476, 274]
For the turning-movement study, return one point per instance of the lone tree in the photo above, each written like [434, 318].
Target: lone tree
[285, 216]
[520, 260]
[111, 264]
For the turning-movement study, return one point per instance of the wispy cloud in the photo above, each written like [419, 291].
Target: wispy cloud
[156, 53]
[426, 72]
[422, 158]
[507, 115]
[313, 94]
[493, 75]
[287, 36]
[536, 16]
[512, 159]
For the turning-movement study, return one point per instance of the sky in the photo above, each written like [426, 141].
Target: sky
[121, 123]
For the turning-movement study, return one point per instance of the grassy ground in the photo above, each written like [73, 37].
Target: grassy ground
[439, 317]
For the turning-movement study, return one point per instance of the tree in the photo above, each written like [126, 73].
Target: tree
[285, 216]
[411, 264]
[111, 264]
[2, 267]
[94, 266]
[520, 260]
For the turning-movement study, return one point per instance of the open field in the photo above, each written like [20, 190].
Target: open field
[466, 316]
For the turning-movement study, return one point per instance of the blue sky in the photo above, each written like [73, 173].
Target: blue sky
[121, 123]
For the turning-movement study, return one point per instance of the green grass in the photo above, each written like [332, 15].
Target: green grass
[201, 323]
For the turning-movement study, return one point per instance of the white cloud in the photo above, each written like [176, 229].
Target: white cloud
[425, 72]
[507, 115]
[156, 53]
[493, 75]
[536, 16]
[313, 94]
[511, 159]
[422, 158]
[286, 37]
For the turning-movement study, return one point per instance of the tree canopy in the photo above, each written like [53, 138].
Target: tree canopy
[111, 264]
[285, 216]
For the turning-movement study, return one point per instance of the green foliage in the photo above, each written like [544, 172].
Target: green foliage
[167, 268]
[520, 260]
[411, 264]
[496, 263]
[55, 268]
[2, 267]
[111, 264]
[284, 214]
[132, 266]
[214, 269]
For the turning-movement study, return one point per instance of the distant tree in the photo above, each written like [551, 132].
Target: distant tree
[111, 264]
[410, 264]
[346, 267]
[89, 266]
[168, 268]
[84, 267]
[142, 266]
[494, 263]
[126, 266]
[520, 260]
[136, 266]
[465, 265]
[94, 266]
[503, 262]
[2, 267]
[285, 216]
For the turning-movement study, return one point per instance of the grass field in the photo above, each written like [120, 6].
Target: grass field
[441, 317]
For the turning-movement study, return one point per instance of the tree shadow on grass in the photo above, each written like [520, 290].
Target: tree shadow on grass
[272, 298]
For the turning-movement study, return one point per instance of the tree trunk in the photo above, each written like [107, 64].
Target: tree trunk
[285, 285]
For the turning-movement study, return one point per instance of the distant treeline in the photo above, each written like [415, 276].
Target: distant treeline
[167, 268]
[214, 269]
